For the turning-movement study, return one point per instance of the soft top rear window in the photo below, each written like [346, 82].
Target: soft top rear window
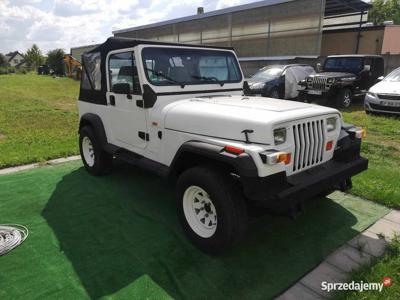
[184, 66]
[91, 75]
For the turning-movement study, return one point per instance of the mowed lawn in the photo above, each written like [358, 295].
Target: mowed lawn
[381, 183]
[38, 118]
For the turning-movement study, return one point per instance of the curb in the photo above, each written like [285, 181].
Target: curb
[351, 256]
[37, 165]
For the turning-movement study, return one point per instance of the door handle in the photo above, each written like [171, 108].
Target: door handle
[112, 100]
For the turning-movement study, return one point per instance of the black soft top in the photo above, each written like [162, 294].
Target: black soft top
[94, 65]
[115, 43]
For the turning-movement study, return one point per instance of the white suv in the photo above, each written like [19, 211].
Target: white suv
[179, 110]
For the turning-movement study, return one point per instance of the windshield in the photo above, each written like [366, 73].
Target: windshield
[268, 73]
[344, 64]
[394, 76]
[183, 66]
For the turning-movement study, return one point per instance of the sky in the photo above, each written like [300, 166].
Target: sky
[64, 24]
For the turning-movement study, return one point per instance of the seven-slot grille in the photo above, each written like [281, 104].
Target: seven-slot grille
[318, 83]
[309, 140]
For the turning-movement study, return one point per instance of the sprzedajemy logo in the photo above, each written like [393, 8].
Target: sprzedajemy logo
[356, 286]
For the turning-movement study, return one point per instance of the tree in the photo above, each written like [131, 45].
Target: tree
[384, 10]
[3, 60]
[55, 61]
[34, 57]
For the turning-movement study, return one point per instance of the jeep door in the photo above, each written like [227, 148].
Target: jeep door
[127, 120]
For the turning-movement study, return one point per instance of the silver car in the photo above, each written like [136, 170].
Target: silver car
[384, 97]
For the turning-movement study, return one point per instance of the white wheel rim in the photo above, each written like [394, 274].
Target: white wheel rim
[347, 100]
[88, 152]
[200, 212]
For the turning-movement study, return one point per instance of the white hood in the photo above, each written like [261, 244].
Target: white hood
[227, 117]
[386, 87]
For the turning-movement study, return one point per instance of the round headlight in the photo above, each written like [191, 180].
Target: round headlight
[331, 80]
[331, 124]
[309, 79]
[280, 136]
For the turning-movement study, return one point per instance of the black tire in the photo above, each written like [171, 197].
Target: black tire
[344, 98]
[229, 204]
[102, 160]
[302, 97]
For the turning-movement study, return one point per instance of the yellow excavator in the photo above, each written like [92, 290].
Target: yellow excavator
[74, 66]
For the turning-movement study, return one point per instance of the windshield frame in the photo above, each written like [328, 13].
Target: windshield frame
[172, 84]
[344, 70]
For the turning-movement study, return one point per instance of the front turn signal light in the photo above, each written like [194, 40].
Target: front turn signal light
[278, 157]
[361, 133]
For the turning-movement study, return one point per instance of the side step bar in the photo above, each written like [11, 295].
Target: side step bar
[138, 160]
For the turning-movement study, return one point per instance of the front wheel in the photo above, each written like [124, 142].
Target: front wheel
[94, 158]
[344, 98]
[211, 209]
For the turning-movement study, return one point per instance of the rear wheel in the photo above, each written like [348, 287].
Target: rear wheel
[211, 209]
[94, 158]
[344, 98]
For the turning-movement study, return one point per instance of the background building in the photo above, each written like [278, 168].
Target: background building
[15, 59]
[276, 30]
[265, 28]
[374, 40]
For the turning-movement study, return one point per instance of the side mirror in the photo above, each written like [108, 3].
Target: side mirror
[367, 68]
[122, 88]
[319, 67]
[379, 79]
[246, 88]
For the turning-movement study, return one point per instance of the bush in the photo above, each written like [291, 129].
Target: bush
[55, 60]
[22, 71]
[7, 70]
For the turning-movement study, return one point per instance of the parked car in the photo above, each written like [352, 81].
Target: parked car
[342, 78]
[43, 70]
[279, 81]
[178, 110]
[384, 97]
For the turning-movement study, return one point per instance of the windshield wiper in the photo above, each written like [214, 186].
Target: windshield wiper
[211, 78]
[165, 77]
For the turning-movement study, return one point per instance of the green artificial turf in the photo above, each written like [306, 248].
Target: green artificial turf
[118, 237]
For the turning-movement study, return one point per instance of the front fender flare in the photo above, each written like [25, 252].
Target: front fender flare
[243, 163]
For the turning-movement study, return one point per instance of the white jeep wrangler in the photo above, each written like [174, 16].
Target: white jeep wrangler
[179, 110]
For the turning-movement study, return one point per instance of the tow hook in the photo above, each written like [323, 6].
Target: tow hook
[345, 185]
